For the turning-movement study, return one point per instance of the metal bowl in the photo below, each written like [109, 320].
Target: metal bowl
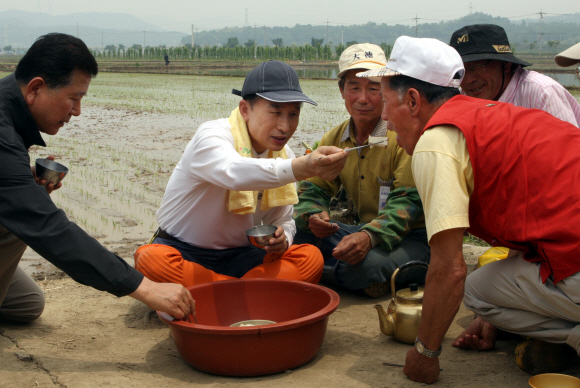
[554, 380]
[253, 322]
[50, 170]
[260, 235]
[300, 311]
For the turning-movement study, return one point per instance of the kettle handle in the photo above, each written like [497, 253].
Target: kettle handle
[401, 268]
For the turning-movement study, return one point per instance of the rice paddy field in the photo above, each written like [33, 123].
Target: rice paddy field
[131, 133]
[133, 128]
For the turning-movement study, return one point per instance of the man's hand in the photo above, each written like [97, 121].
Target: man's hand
[325, 162]
[41, 182]
[170, 298]
[278, 243]
[353, 248]
[421, 368]
[320, 226]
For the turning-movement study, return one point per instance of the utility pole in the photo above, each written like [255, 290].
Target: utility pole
[255, 41]
[415, 19]
[192, 41]
[103, 40]
[246, 25]
[342, 35]
[327, 41]
[143, 49]
[264, 36]
[541, 29]
[196, 47]
[470, 8]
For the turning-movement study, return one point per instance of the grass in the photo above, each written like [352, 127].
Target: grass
[472, 240]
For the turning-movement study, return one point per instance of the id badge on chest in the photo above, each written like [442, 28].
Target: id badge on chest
[384, 190]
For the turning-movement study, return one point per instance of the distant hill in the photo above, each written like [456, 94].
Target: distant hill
[565, 29]
[20, 28]
[102, 20]
[99, 29]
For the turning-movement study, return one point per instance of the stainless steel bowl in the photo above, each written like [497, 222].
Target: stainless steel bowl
[260, 235]
[253, 322]
[50, 170]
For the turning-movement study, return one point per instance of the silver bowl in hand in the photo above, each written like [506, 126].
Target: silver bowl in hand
[50, 170]
[261, 234]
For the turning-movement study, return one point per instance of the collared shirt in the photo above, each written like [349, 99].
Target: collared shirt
[27, 211]
[379, 131]
[194, 204]
[365, 177]
[530, 89]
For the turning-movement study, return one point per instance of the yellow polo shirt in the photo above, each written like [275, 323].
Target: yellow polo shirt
[444, 178]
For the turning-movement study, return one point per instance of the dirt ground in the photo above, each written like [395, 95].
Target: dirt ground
[87, 338]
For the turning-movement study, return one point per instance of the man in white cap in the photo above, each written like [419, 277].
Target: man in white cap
[477, 165]
[569, 57]
[378, 179]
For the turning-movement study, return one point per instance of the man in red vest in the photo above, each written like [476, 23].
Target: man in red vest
[488, 166]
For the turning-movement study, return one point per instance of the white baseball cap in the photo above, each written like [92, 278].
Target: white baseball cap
[363, 56]
[425, 59]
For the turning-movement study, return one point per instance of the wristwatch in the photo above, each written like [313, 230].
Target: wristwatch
[421, 349]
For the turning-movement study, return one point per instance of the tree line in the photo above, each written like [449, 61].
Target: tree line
[308, 52]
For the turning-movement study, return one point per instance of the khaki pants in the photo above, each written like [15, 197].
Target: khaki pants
[510, 295]
[21, 299]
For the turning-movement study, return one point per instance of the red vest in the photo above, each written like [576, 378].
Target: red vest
[526, 168]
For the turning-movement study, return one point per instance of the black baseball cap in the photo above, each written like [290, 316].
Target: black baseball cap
[275, 81]
[483, 41]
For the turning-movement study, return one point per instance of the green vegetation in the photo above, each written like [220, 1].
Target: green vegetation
[230, 51]
[521, 33]
[472, 240]
[204, 97]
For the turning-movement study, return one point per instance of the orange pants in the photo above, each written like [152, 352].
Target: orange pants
[164, 264]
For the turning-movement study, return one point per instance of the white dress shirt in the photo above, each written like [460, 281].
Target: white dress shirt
[194, 206]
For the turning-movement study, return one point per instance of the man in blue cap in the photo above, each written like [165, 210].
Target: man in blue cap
[237, 173]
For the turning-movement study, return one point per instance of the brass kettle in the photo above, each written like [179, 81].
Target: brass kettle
[404, 311]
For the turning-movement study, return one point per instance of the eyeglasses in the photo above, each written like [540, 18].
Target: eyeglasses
[476, 70]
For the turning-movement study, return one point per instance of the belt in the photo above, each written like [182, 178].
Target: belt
[164, 235]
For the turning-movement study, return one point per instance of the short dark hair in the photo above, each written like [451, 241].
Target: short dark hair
[54, 57]
[251, 98]
[432, 93]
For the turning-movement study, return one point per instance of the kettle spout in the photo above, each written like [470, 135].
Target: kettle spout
[386, 321]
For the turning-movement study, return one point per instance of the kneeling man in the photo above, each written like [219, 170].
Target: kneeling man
[234, 174]
[477, 164]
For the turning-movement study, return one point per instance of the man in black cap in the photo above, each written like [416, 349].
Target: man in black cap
[492, 72]
[237, 173]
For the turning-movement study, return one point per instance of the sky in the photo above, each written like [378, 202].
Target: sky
[179, 15]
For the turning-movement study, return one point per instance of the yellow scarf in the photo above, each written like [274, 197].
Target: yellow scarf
[244, 202]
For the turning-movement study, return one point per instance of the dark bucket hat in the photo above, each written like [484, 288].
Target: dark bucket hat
[483, 41]
[275, 81]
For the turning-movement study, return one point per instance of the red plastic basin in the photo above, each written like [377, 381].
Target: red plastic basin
[300, 309]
